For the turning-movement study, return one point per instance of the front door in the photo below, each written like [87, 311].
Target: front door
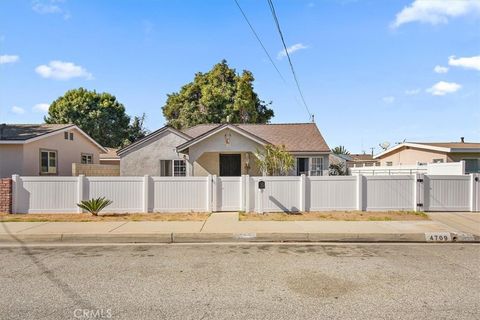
[302, 166]
[230, 165]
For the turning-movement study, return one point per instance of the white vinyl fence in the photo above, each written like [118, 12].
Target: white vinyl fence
[448, 168]
[416, 192]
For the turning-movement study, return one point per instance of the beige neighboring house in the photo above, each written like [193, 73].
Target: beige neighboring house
[45, 149]
[223, 150]
[110, 157]
[410, 153]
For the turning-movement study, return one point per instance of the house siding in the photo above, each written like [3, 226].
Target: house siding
[145, 158]
[408, 156]
[68, 152]
[11, 160]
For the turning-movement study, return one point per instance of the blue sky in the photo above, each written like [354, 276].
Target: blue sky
[371, 71]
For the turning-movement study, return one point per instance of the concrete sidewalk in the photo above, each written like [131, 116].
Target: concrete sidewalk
[226, 227]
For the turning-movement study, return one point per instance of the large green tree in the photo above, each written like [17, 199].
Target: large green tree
[98, 114]
[218, 96]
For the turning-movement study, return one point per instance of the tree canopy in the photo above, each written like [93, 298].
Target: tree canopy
[100, 115]
[218, 96]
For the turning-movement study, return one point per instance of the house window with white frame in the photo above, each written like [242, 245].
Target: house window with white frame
[48, 162]
[316, 168]
[179, 168]
[87, 158]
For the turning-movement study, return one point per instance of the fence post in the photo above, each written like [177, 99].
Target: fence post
[146, 185]
[302, 192]
[247, 193]
[80, 181]
[209, 193]
[214, 192]
[472, 192]
[360, 192]
[15, 189]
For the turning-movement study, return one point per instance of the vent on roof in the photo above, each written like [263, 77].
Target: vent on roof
[462, 139]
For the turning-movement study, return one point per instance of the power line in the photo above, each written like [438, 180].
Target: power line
[266, 52]
[260, 41]
[275, 18]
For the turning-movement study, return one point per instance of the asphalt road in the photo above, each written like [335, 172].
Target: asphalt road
[241, 281]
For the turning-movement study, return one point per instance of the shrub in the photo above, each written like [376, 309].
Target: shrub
[94, 206]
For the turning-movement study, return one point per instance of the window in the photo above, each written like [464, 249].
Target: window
[87, 158]
[71, 136]
[316, 167]
[48, 162]
[437, 160]
[389, 163]
[65, 135]
[166, 168]
[179, 168]
[472, 165]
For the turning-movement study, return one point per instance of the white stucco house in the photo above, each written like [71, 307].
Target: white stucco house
[223, 150]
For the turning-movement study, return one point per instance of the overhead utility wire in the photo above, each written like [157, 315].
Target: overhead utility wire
[266, 52]
[260, 41]
[272, 9]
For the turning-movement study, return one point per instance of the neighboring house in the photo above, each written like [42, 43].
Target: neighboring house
[362, 160]
[409, 153]
[45, 149]
[110, 157]
[223, 150]
[339, 159]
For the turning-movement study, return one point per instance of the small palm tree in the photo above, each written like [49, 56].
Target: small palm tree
[340, 150]
[275, 160]
[94, 206]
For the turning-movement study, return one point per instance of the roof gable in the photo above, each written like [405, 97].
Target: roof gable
[296, 137]
[152, 136]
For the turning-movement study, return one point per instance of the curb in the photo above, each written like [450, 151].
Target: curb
[449, 237]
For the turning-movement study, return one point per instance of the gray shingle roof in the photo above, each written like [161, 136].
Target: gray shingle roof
[22, 132]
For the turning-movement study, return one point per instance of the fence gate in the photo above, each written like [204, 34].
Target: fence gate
[448, 193]
[228, 191]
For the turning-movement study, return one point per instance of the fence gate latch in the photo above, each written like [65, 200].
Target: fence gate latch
[476, 179]
[419, 180]
[419, 204]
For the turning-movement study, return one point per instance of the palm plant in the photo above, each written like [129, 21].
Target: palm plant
[275, 160]
[94, 206]
[340, 150]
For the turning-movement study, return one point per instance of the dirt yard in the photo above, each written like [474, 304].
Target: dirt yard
[87, 217]
[336, 216]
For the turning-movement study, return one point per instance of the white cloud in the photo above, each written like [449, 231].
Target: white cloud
[442, 88]
[435, 11]
[412, 92]
[389, 99]
[18, 110]
[440, 69]
[8, 59]
[467, 62]
[298, 46]
[61, 70]
[41, 107]
[50, 7]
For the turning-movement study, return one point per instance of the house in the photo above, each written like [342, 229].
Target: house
[410, 153]
[45, 149]
[362, 160]
[223, 150]
[110, 157]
